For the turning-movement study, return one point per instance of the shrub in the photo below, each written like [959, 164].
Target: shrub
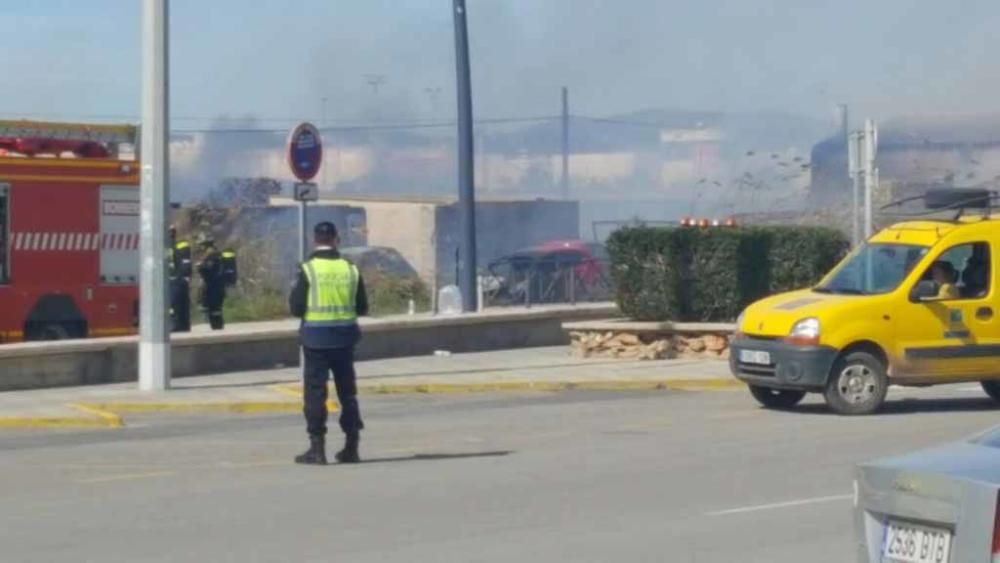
[693, 274]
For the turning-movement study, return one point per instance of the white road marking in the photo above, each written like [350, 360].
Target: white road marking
[776, 505]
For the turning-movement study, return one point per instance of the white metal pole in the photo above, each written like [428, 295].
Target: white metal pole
[869, 162]
[303, 231]
[854, 171]
[154, 336]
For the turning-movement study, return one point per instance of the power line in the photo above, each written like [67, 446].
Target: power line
[378, 126]
[617, 121]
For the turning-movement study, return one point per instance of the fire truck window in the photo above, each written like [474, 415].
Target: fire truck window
[4, 235]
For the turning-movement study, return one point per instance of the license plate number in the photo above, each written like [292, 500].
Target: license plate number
[913, 543]
[755, 357]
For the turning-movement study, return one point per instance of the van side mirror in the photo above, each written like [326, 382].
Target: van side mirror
[925, 290]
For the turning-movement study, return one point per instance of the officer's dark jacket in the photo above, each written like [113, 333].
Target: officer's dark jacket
[328, 336]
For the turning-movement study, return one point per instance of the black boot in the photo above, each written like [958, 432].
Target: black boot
[350, 452]
[316, 454]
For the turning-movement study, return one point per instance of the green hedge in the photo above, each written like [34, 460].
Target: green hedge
[692, 274]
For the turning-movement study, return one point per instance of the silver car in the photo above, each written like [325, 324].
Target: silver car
[933, 506]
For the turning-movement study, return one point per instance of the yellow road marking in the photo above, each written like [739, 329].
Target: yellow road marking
[295, 390]
[113, 420]
[29, 422]
[235, 406]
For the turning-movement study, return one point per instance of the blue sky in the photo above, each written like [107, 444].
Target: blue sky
[275, 59]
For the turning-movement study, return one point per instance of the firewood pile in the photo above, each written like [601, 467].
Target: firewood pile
[648, 346]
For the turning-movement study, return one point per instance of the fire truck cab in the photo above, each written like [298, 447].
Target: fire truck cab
[69, 230]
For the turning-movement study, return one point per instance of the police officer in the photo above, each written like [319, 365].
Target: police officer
[213, 288]
[329, 296]
[180, 282]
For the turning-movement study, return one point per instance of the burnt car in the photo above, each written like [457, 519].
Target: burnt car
[559, 271]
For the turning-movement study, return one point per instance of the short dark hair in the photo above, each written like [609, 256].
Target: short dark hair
[325, 230]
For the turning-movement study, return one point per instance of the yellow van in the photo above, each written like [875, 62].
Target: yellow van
[915, 305]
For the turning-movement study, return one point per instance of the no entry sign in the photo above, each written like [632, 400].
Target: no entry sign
[305, 151]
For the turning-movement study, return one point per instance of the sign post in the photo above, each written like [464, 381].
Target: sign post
[305, 157]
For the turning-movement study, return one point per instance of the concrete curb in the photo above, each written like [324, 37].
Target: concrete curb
[99, 418]
[295, 390]
[108, 414]
[189, 407]
[685, 384]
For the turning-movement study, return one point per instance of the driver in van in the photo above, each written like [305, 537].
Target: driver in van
[944, 275]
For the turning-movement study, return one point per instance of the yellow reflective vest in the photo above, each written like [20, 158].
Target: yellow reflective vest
[333, 289]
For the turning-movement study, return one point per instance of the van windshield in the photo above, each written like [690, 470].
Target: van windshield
[872, 269]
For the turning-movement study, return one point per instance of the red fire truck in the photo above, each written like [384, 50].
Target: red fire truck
[69, 230]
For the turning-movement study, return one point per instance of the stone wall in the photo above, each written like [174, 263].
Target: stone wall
[649, 341]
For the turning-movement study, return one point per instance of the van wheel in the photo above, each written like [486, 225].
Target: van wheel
[992, 388]
[857, 384]
[776, 398]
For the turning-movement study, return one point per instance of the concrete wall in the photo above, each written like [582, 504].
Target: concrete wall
[271, 345]
[426, 232]
[407, 227]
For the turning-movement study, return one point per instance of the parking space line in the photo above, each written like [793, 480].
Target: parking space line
[776, 505]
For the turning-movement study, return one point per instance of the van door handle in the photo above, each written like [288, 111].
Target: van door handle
[984, 313]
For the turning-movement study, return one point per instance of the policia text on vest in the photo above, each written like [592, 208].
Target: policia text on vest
[329, 296]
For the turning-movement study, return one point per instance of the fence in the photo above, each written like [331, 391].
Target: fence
[531, 281]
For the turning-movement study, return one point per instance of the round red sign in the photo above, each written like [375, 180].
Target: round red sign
[305, 151]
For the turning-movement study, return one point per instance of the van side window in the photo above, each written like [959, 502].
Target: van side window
[5, 242]
[967, 266]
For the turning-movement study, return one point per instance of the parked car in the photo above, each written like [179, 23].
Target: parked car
[917, 304]
[553, 272]
[938, 505]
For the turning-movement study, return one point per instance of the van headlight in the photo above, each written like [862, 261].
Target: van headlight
[806, 331]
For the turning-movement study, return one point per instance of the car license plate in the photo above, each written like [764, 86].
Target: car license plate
[913, 543]
[755, 357]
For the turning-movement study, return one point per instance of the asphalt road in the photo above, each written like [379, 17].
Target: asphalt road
[573, 476]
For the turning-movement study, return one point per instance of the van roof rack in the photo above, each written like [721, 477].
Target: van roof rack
[949, 199]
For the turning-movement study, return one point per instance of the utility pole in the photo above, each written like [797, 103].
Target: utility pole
[871, 173]
[854, 162]
[466, 160]
[375, 81]
[565, 143]
[154, 336]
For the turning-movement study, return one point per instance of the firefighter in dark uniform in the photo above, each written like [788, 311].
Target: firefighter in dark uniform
[213, 287]
[329, 296]
[180, 282]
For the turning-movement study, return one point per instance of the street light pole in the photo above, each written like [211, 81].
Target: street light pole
[565, 143]
[154, 335]
[466, 163]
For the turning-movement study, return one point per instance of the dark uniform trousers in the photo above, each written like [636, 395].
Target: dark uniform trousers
[319, 363]
[180, 304]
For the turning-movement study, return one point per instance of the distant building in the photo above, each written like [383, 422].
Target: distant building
[425, 231]
[914, 153]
